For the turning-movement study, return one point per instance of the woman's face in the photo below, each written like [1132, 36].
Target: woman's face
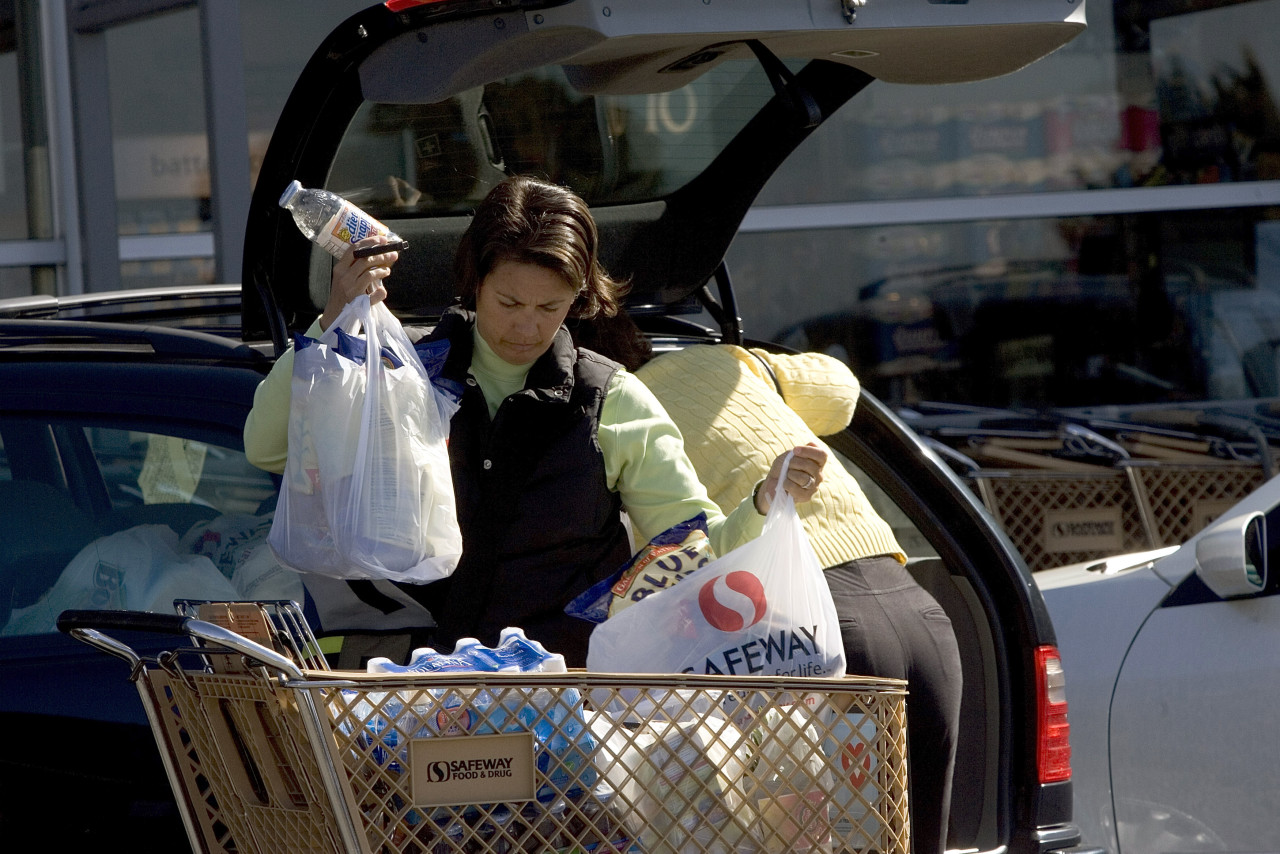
[519, 307]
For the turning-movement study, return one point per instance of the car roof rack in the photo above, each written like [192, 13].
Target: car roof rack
[45, 334]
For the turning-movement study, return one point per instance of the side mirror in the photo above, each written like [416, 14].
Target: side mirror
[1231, 558]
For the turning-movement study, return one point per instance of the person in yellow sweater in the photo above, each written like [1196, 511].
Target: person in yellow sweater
[736, 409]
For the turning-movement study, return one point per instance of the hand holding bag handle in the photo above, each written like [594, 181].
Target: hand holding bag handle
[762, 609]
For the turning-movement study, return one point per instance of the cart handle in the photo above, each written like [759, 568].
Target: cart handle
[128, 621]
[85, 625]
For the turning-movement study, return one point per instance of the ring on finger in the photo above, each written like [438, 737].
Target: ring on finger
[808, 483]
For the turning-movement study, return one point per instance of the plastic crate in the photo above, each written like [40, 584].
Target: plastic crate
[1071, 495]
[1056, 518]
[1179, 499]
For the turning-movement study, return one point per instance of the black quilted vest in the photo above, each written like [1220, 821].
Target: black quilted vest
[538, 523]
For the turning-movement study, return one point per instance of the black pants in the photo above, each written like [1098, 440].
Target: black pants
[892, 627]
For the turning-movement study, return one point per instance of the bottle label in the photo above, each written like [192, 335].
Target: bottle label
[349, 225]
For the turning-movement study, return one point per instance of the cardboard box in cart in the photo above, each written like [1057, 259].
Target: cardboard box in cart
[286, 758]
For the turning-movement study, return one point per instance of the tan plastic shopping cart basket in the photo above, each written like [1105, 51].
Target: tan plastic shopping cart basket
[267, 750]
[1155, 491]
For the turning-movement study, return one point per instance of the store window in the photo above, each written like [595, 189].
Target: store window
[24, 133]
[1065, 312]
[16, 282]
[1142, 98]
[13, 196]
[158, 124]
[26, 209]
[279, 38]
[1008, 302]
[159, 143]
[158, 115]
[1218, 86]
[1073, 120]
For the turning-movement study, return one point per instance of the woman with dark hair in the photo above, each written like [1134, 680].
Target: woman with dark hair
[551, 443]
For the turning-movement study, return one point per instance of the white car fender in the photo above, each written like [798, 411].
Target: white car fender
[1096, 614]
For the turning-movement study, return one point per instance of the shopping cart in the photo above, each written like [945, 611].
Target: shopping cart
[1071, 494]
[268, 750]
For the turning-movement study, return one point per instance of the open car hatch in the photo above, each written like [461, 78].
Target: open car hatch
[667, 116]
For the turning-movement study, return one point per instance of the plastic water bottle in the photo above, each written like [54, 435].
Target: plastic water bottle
[515, 653]
[424, 660]
[329, 220]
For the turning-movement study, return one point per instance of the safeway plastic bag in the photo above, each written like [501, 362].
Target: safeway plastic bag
[367, 490]
[762, 609]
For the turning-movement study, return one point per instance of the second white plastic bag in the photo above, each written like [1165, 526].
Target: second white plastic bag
[367, 490]
[763, 609]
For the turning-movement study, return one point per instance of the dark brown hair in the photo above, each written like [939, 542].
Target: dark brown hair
[615, 336]
[535, 222]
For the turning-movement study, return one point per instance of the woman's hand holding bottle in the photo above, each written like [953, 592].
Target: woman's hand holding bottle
[354, 275]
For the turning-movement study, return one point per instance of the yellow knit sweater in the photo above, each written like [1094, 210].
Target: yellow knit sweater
[735, 424]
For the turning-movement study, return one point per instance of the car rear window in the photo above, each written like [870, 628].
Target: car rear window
[401, 160]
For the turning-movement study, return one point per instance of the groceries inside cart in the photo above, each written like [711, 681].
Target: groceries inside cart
[1080, 485]
[500, 749]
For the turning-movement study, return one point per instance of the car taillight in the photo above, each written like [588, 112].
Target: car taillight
[401, 5]
[1053, 746]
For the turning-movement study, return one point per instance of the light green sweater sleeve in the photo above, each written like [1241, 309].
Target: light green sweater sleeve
[645, 462]
[644, 456]
[266, 430]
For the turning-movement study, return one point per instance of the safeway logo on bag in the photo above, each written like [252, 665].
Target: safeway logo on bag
[733, 602]
[736, 602]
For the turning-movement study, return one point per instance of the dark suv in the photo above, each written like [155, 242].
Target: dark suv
[123, 482]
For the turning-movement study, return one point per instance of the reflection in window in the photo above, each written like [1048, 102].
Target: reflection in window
[1142, 98]
[1141, 308]
[160, 146]
[159, 517]
[1030, 313]
[401, 160]
[1217, 75]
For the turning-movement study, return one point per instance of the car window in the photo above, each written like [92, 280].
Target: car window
[96, 516]
[913, 542]
[142, 468]
[399, 160]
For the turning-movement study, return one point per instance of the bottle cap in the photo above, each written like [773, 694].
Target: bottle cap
[295, 187]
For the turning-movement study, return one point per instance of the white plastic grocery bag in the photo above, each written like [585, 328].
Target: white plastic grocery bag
[763, 609]
[367, 490]
[142, 568]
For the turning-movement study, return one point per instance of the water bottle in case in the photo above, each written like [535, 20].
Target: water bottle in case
[329, 220]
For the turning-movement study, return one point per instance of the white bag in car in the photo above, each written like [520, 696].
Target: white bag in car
[237, 545]
[367, 489]
[762, 609]
[138, 569]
